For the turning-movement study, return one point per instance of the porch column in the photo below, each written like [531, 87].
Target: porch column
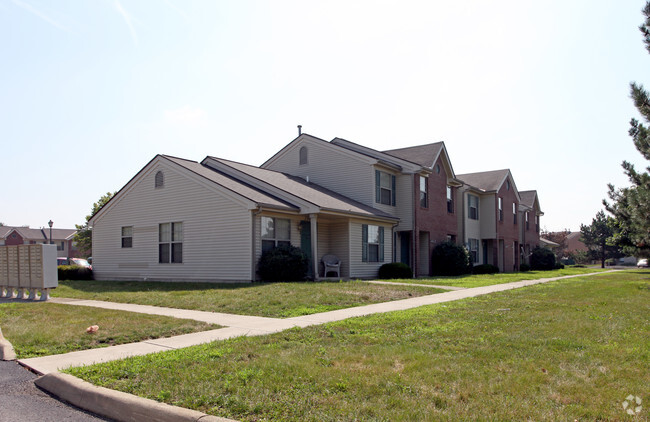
[314, 244]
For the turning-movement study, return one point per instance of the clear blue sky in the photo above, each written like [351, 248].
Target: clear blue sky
[90, 91]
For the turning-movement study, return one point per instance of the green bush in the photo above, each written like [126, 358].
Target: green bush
[449, 258]
[395, 270]
[524, 268]
[542, 259]
[558, 266]
[485, 269]
[284, 263]
[74, 272]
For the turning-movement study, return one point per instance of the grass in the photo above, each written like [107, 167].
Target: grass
[566, 350]
[480, 280]
[279, 300]
[40, 329]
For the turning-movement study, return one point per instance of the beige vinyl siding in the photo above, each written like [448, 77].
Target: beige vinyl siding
[331, 168]
[216, 231]
[358, 268]
[488, 217]
[294, 235]
[403, 199]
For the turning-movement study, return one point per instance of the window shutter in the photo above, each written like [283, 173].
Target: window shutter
[381, 243]
[377, 186]
[393, 192]
[364, 243]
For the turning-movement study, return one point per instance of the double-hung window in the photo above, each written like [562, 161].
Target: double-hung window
[450, 200]
[500, 209]
[537, 223]
[384, 188]
[473, 250]
[527, 222]
[514, 212]
[472, 206]
[127, 237]
[275, 232]
[424, 192]
[170, 243]
[372, 243]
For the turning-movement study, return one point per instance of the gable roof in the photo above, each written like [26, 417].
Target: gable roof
[487, 181]
[382, 157]
[423, 155]
[229, 183]
[37, 234]
[297, 187]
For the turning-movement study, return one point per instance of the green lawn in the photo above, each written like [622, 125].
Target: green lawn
[278, 300]
[499, 278]
[40, 329]
[566, 350]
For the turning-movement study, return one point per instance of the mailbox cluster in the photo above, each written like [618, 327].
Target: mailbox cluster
[27, 268]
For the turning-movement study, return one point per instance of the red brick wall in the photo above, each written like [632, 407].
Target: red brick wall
[435, 219]
[11, 240]
[506, 229]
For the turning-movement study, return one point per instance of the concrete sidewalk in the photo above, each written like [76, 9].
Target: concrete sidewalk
[242, 325]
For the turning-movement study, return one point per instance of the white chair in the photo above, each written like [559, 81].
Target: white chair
[331, 264]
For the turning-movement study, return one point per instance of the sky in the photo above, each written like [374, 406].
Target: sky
[92, 90]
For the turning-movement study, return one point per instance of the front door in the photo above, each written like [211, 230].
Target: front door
[305, 244]
[405, 248]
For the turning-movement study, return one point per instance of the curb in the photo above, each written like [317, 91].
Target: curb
[122, 407]
[6, 349]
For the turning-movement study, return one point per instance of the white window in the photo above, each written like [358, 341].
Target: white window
[384, 188]
[500, 209]
[127, 236]
[450, 200]
[514, 212]
[275, 232]
[424, 192]
[472, 202]
[170, 243]
[372, 243]
[304, 157]
[527, 222]
[60, 246]
[159, 180]
[473, 250]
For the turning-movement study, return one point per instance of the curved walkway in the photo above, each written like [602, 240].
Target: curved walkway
[243, 325]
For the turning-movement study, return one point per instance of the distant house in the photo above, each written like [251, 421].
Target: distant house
[574, 244]
[178, 219]
[62, 238]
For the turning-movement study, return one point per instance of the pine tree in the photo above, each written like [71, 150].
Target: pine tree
[631, 206]
[598, 238]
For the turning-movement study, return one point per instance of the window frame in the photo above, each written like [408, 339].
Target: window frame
[470, 215]
[473, 248]
[303, 156]
[450, 199]
[379, 188]
[424, 192]
[527, 220]
[514, 212]
[273, 237]
[127, 240]
[500, 208]
[170, 251]
[159, 180]
[367, 242]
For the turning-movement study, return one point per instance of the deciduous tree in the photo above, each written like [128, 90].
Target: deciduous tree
[599, 238]
[84, 236]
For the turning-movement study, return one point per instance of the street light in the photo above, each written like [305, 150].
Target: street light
[50, 223]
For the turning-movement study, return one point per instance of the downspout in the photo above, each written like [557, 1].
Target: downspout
[413, 230]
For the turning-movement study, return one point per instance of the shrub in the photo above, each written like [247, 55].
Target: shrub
[449, 258]
[284, 263]
[395, 270]
[74, 272]
[542, 259]
[524, 268]
[558, 266]
[485, 269]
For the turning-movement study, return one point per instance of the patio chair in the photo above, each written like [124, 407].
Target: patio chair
[331, 263]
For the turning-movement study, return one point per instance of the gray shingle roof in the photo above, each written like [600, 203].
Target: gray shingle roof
[310, 192]
[528, 197]
[486, 180]
[423, 155]
[37, 234]
[231, 184]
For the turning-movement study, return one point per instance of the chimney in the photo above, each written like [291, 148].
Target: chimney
[299, 130]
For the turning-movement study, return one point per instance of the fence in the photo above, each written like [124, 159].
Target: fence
[27, 268]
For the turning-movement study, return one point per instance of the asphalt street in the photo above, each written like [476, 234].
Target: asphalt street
[22, 401]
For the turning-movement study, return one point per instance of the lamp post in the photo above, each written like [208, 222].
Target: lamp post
[50, 223]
